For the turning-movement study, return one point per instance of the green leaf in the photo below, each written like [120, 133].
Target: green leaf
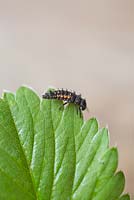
[49, 152]
[124, 197]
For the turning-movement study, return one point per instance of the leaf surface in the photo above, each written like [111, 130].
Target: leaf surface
[49, 152]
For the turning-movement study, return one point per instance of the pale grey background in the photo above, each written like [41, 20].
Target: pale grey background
[83, 45]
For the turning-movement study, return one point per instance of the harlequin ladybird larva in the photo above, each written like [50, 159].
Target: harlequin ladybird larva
[67, 97]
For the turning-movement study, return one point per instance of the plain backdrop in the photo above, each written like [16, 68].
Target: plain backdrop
[84, 45]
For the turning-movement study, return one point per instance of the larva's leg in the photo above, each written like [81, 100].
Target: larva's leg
[63, 105]
[80, 112]
[77, 110]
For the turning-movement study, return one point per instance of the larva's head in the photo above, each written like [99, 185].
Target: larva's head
[83, 104]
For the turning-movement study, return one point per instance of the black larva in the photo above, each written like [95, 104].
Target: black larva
[67, 97]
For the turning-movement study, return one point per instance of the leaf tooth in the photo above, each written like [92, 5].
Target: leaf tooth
[97, 146]
[87, 132]
[113, 188]
[108, 165]
[124, 197]
[9, 99]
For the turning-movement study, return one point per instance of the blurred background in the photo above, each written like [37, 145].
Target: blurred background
[87, 46]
